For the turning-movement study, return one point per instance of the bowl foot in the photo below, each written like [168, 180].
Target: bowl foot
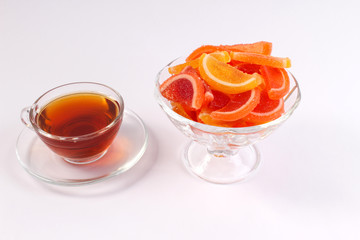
[221, 166]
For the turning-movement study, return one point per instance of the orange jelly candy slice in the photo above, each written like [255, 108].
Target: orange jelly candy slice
[277, 81]
[183, 111]
[246, 67]
[225, 78]
[260, 59]
[266, 111]
[205, 117]
[239, 106]
[186, 88]
[219, 101]
[222, 56]
[257, 47]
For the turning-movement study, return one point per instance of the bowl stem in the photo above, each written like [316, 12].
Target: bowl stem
[221, 165]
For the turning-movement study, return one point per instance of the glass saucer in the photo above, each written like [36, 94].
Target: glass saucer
[126, 150]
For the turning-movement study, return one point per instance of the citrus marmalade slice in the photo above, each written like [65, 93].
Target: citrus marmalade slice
[222, 56]
[266, 111]
[180, 109]
[219, 101]
[225, 78]
[239, 106]
[203, 49]
[276, 81]
[186, 88]
[205, 117]
[257, 47]
[178, 68]
[208, 96]
[260, 59]
[246, 67]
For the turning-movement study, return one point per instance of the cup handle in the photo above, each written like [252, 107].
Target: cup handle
[25, 117]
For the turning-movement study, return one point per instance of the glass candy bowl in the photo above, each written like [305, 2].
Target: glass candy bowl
[219, 154]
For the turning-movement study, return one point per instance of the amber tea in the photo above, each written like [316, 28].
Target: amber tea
[84, 115]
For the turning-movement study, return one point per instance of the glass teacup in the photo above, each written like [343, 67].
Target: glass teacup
[77, 121]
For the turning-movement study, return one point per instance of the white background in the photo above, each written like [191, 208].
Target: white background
[308, 184]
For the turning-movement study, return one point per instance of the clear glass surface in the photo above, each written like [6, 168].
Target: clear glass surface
[219, 154]
[126, 150]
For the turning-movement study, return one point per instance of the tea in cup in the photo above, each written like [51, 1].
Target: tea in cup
[77, 121]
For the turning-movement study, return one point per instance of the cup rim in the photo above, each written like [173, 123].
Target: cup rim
[221, 130]
[84, 137]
